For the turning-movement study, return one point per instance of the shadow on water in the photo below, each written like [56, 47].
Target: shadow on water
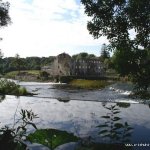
[114, 131]
[123, 105]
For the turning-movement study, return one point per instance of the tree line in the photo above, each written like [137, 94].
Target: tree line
[8, 64]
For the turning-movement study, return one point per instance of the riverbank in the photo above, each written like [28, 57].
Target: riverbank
[27, 75]
[74, 81]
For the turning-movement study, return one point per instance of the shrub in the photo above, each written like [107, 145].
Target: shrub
[11, 88]
[12, 138]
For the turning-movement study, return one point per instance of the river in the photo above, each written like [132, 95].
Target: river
[82, 110]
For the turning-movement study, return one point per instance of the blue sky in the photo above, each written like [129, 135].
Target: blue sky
[47, 28]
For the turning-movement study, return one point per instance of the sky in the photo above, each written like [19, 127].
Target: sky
[47, 28]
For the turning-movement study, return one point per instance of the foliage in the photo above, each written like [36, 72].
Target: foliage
[137, 64]
[113, 129]
[4, 21]
[104, 53]
[17, 62]
[12, 138]
[28, 63]
[44, 75]
[83, 55]
[52, 137]
[89, 84]
[11, 88]
[4, 16]
[65, 79]
[116, 20]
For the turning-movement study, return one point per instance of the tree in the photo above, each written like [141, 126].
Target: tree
[1, 62]
[83, 55]
[104, 52]
[4, 21]
[116, 19]
[18, 63]
[4, 14]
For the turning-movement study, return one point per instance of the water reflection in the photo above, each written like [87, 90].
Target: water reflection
[80, 117]
[114, 130]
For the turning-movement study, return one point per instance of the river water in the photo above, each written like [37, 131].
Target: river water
[81, 112]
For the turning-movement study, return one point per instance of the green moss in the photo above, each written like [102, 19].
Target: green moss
[89, 84]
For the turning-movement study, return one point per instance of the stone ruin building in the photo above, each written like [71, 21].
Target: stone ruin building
[65, 65]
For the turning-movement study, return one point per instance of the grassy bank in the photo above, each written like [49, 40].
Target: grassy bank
[89, 84]
[14, 74]
[29, 75]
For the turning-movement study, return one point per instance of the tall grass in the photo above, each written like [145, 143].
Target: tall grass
[89, 84]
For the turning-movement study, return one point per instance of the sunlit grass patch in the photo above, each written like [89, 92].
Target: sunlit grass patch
[89, 84]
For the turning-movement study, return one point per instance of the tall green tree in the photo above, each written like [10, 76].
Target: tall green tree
[1, 62]
[18, 63]
[4, 21]
[4, 14]
[117, 19]
[104, 52]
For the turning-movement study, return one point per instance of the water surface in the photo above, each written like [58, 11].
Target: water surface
[82, 113]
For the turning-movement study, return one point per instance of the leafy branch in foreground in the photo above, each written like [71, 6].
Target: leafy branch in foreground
[113, 129]
[13, 138]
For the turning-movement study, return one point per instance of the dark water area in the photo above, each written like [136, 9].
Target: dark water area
[82, 112]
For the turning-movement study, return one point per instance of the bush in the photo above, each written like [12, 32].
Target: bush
[11, 138]
[11, 88]
[44, 75]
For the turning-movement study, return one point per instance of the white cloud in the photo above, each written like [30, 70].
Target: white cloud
[44, 28]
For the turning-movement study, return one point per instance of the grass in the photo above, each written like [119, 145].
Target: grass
[89, 84]
[24, 75]
[12, 74]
